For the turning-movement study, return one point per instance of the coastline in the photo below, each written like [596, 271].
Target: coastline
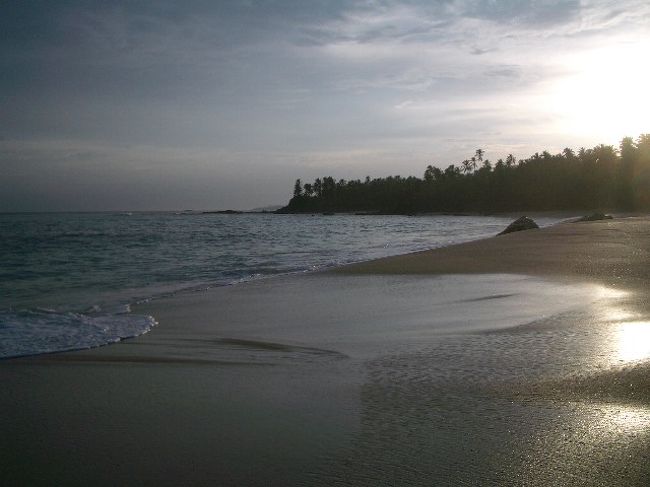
[609, 251]
[241, 393]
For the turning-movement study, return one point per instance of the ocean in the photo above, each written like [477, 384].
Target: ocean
[67, 280]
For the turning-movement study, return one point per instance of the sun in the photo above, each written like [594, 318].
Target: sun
[605, 94]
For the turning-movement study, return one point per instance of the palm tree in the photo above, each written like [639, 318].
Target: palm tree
[479, 154]
[467, 166]
[297, 188]
[568, 153]
[429, 174]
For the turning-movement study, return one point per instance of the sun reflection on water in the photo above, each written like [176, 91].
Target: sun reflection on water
[634, 340]
[618, 315]
[607, 419]
[603, 292]
[627, 338]
[629, 418]
[621, 418]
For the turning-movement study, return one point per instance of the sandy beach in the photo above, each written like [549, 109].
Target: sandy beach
[521, 359]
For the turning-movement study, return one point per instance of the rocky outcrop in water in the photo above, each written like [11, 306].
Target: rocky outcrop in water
[522, 223]
[595, 217]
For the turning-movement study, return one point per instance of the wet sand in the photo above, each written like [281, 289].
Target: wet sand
[614, 252]
[516, 360]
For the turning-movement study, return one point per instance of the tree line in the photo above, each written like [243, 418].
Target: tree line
[600, 178]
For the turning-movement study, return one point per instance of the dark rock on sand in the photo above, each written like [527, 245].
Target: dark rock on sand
[522, 223]
[595, 217]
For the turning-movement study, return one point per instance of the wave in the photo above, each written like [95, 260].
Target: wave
[40, 330]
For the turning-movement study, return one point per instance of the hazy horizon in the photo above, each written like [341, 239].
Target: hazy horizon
[204, 105]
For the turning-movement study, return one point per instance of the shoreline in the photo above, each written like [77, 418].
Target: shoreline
[400, 369]
[607, 251]
[339, 267]
[185, 289]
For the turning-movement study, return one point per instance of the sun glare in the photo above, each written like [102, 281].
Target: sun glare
[615, 419]
[634, 341]
[606, 93]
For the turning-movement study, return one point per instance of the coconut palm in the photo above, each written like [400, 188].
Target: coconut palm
[297, 188]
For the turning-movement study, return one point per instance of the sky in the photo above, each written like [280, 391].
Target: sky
[163, 105]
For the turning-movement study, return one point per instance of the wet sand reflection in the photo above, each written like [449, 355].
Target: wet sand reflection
[633, 341]
[562, 401]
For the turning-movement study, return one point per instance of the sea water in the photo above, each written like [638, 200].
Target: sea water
[67, 279]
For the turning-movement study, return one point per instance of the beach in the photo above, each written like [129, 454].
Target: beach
[520, 359]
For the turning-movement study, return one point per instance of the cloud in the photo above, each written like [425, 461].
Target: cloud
[476, 51]
[527, 14]
[210, 91]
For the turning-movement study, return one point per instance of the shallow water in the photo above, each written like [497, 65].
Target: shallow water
[363, 316]
[66, 279]
[450, 380]
[347, 380]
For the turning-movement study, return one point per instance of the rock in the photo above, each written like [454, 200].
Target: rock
[595, 217]
[522, 223]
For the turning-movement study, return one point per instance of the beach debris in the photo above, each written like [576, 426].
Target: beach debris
[594, 217]
[521, 223]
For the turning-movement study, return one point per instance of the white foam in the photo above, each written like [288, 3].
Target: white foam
[31, 332]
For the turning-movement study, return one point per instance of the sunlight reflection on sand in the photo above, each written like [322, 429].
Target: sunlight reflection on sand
[624, 418]
[633, 340]
[629, 340]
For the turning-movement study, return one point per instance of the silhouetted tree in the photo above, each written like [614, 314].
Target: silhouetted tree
[598, 178]
[625, 188]
[318, 187]
[297, 188]
[429, 174]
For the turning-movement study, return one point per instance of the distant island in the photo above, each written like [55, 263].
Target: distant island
[603, 177]
[265, 209]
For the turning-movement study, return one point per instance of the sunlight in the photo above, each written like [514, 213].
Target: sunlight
[628, 418]
[606, 93]
[634, 340]
[617, 315]
[602, 292]
[617, 418]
